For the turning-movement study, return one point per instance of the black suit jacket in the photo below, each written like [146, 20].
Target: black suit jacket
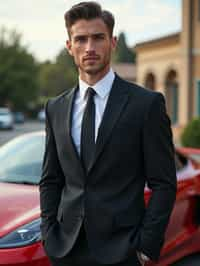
[134, 146]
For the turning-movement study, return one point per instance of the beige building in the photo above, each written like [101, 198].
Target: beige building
[171, 65]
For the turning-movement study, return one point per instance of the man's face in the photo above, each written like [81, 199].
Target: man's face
[91, 46]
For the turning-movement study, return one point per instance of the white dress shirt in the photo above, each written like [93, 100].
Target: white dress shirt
[102, 89]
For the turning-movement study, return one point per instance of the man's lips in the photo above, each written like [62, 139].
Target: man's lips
[90, 58]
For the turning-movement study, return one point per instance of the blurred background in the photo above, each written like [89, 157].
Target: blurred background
[158, 47]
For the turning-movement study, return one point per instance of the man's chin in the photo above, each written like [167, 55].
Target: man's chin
[93, 70]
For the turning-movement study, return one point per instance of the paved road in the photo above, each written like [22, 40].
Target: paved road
[19, 129]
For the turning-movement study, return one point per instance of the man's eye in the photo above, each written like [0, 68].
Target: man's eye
[80, 39]
[99, 37]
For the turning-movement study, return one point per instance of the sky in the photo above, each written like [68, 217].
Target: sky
[41, 22]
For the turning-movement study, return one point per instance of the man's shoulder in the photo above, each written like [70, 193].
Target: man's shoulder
[52, 102]
[137, 91]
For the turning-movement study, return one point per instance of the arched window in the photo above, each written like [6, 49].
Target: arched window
[150, 81]
[172, 95]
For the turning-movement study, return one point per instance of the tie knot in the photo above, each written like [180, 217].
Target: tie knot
[90, 92]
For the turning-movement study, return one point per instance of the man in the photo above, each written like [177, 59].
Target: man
[105, 139]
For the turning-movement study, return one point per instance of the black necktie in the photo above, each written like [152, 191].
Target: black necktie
[88, 130]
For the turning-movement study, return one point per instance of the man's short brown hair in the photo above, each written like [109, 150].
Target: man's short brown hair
[88, 10]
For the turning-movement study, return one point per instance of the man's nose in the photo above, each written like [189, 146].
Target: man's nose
[90, 46]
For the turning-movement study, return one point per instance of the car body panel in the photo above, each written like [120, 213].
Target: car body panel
[24, 210]
[183, 232]
[6, 118]
[20, 205]
[19, 117]
[32, 255]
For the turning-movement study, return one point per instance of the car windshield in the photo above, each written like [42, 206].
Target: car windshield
[21, 159]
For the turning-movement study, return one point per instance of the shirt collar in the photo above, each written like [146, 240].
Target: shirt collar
[102, 87]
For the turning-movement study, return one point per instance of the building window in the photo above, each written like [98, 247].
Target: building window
[198, 98]
[174, 104]
[172, 96]
[150, 81]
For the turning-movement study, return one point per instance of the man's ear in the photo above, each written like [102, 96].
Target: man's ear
[69, 46]
[114, 42]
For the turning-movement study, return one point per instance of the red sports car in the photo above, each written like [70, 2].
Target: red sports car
[20, 238]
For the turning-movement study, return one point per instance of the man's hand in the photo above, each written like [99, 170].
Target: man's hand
[142, 258]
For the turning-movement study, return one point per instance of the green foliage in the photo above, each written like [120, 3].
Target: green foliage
[191, 134]
[24, 84]
[123, 54]
[18, 71]
[59, 76]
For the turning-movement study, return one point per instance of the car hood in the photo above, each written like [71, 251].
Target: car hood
[19, 205]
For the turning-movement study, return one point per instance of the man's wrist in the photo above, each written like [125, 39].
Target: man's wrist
[142, 257]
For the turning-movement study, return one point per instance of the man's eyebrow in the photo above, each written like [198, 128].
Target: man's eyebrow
[88, 35]
[99, 34]
[80, 36]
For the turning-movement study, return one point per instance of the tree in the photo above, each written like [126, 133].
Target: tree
[190, 136]
[59, 76]
[18, 71]
[123, 54]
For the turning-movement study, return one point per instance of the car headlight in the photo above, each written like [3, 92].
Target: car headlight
[22, 236]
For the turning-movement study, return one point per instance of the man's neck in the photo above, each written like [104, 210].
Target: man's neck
[92, 79]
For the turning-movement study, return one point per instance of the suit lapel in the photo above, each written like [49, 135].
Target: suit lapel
[116, 102]
[71, 148]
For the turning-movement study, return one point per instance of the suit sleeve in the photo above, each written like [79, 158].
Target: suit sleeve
[52, 181]
[160, 174]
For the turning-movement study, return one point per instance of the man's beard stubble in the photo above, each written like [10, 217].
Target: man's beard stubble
[97, 69]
